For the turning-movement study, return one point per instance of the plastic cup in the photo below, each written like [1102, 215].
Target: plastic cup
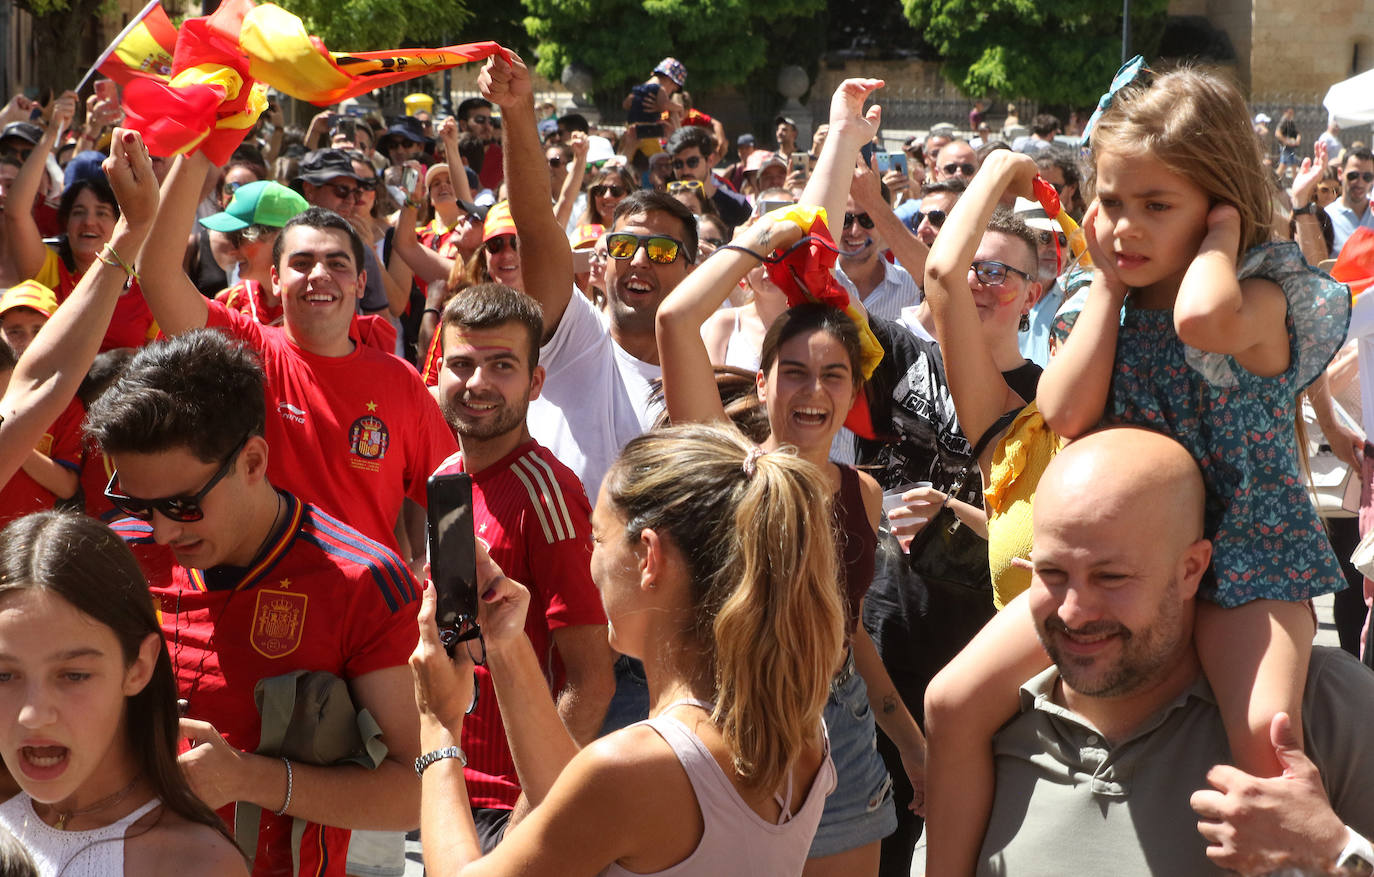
[892, 499]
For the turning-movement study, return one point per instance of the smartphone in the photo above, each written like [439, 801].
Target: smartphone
[452, 554]
[866, 152]
[648, 131]
[348, 128]
[768, 206]
[106, 89]
[799, 161]
[410, 178]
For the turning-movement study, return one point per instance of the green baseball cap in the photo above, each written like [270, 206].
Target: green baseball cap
[260, 203]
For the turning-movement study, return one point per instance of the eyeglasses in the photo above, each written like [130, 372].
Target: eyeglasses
[963, 169]
[1046, 237]
[1353, 176]
[497, 244]
[935, 217]
[660, 249]
[690, 161]
[555, 161]
[469, 634]
[344, 193]
[863, 219]
[250, 235]
[676, 186]
[184, 509]
[992, 273]
[479, 120]
[613, 190]
[231, 188]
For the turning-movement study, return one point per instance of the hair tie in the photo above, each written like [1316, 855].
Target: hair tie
[751, 461]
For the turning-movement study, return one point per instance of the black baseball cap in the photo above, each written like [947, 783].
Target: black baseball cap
[323, 165]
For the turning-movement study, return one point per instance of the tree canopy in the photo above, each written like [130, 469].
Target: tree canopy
[1058, 53]
[721, 42]
[367, 25]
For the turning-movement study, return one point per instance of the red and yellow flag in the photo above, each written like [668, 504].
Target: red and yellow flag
[143, 49]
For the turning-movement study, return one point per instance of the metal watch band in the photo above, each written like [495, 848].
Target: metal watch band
[429, 758]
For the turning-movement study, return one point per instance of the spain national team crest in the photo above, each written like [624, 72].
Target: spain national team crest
[278, 622]
[367, 440]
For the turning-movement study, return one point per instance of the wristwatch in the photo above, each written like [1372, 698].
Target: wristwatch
[1306, 210]
[429, 758]
[1358, 856]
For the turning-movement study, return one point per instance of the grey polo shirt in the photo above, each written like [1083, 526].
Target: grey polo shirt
[1070, 802]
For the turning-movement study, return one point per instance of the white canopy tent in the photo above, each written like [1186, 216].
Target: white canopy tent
[1351, 102]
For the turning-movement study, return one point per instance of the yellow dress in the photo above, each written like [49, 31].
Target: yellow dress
[1017, 463]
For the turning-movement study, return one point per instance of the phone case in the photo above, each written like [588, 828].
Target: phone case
[452, 550]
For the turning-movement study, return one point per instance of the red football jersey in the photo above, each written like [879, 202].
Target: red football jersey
[353, 434]
[21, 495]
[132, 324]
[532, 511]
[323, 597]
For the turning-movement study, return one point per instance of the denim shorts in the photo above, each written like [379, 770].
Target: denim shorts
[860, 810]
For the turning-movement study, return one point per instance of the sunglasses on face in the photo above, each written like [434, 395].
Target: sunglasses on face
[613, 190]
[497, 244]
[1353, 176]
[184, 509]
[936, 218]
[1045, 237]
[231, 188]
[990, 273]
[863, 219]
[690, 161]
[479, 120]
[660, 249]
[964, 169]
[555, 161]
[344, 193]
[683, 186]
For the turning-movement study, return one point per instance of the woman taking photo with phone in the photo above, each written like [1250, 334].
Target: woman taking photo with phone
[88, 720]
[705, 556]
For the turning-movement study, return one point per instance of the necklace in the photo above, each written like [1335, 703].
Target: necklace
[184, 703]
[103, 804]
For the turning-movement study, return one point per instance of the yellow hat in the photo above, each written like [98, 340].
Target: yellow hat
[29, 294]
[419, 102]
[498, 222]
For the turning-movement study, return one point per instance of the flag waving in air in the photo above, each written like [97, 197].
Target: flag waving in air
[224, 62]
[143, 49]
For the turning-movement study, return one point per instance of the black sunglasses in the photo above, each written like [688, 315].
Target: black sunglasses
[690, 161]
[1352, 176]
[935, 217]
[497, 244]
[613, 190]
[555, 161]
[957, 168]
[184, 509]
[863, 219]
[660, 249]
[479, 120]
[992, 273]
[343, 193]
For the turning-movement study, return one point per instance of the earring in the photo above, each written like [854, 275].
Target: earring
[1024, 325]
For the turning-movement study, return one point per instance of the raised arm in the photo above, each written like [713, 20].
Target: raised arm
[850, 128]
[457, 170]
[572, 181]
[1072, 393]
[868, 194]
[26, 247]
[549, 276]
[175, 302]
[46, 378]
[689, 381]
[980, 393]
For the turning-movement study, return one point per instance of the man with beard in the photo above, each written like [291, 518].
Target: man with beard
[531, 512]
[1108, 765]
[601, 367]
[1352, 210]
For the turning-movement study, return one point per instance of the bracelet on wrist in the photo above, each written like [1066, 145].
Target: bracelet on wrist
[424, 761]
[741, 249]
[114, 260]
[435, 311]
[287, 801]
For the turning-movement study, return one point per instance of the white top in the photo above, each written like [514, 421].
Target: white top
[739, 353]
[95, 853]
[897, 290]
[735, 840]
[595, 396]
[1362, 329]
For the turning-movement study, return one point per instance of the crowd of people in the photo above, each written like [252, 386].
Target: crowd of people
[823, 496]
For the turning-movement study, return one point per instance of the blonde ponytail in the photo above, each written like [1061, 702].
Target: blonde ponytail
[757, 536]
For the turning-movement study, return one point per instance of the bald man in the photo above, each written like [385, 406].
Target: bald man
[1118, 743]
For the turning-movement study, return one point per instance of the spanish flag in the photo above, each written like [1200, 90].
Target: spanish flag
[143, 49]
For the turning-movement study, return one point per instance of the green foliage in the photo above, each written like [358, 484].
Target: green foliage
[370, 25]
[722, 42]
[1063, 52]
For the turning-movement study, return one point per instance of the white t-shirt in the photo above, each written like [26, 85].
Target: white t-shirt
[595, 396]
[1362, 328]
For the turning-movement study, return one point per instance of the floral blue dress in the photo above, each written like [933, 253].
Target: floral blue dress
[1268, 542]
